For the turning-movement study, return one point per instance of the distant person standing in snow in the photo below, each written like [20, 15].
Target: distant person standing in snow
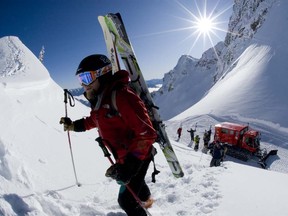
[127, 132]
[206, 139]
[196, 140]
[209, 134]
[179, 132]
[218, 152]
[191, 131]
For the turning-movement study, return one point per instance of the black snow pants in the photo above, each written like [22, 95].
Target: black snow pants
[140, 188]
[215, 162]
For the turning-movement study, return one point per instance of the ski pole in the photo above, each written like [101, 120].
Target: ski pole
[68, 95]
[104, 149]
[108, 155]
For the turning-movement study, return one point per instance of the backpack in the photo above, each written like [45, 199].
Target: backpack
[114, 112]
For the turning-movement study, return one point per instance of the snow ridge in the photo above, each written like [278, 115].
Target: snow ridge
[12, 64]
[19, 68]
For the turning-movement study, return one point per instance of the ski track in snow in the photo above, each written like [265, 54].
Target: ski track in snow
[198, 181]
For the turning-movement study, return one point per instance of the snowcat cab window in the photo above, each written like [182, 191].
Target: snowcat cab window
[224, 130]
[248, 141]
[231, 132]
[251, 142]
[257, 142]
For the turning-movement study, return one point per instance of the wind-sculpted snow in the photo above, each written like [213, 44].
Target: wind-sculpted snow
[11, 64]
[4, 166]
[17, 203]
[19, 68]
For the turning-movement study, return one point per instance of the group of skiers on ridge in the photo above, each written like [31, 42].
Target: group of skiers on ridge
[216, 149]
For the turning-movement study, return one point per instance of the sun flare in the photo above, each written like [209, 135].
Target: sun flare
[204, 25]
[204, 22]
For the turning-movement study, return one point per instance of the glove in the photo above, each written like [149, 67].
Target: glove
[67, 123]
[123, 173]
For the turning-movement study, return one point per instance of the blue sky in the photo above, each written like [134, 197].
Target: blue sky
[69, 31]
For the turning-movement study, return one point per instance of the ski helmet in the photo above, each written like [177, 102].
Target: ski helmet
[92, 67]
[93, 63]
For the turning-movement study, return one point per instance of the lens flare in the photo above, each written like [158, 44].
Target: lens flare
[203, 24]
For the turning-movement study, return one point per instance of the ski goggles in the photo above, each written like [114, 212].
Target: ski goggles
[87, 77]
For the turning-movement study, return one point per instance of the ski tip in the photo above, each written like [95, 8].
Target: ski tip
[100, 18]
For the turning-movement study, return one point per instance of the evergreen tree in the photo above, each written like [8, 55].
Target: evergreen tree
[41, 55]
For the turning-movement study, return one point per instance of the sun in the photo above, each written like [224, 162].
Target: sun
[205, 25]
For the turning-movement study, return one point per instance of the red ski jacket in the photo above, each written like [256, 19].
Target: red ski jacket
[129, 130]
[179, 131]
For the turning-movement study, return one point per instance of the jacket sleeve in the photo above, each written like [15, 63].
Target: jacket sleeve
[79, 125]
[85, 123]
[134, 114]
[89, 122]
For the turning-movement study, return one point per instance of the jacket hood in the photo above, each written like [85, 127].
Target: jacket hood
[120, 78]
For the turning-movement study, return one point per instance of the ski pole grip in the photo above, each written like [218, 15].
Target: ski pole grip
[102, 146]
[65, 95]
[68, 95]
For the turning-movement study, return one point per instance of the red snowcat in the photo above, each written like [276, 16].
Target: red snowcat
[241, 142]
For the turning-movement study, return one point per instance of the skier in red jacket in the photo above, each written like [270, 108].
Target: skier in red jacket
[179, 132]
[123, 124]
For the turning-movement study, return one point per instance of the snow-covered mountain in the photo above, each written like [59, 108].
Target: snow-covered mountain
[255, 27]
[36, 174]
[154, 83]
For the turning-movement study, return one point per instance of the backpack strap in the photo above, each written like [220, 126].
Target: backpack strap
[114, 107]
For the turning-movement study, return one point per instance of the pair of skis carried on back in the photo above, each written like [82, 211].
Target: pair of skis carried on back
[117, 42]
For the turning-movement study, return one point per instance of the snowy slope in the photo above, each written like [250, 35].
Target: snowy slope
[242, 44]
[34, 152]
[185, 84]
[256, 86]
